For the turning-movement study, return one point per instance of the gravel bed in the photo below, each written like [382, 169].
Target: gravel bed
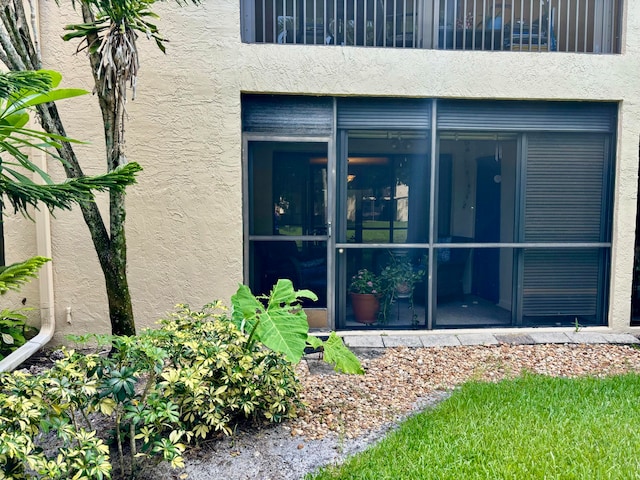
[347, 413]
[398, 378]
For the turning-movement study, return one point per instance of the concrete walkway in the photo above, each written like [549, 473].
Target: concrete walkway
[385, 340]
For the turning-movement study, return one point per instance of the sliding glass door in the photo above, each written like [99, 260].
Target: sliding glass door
[527, 242]
[473, 262]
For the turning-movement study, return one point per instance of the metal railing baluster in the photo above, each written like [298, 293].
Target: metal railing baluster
[528, 25]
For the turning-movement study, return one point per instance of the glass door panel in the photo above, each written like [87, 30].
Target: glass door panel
[288, 218]
[387, 187]
[384, 213]
[476, 205]
[474, 287]
[398, 285]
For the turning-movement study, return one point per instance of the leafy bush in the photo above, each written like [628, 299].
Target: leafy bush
[13, 330]
[13, 327]
[215, 375]
[198, 374]
[194, 376]
[30, 408]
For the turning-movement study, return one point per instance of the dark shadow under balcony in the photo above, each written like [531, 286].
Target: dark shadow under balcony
[587, 26]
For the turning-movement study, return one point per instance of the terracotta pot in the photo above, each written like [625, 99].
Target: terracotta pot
[365, 307]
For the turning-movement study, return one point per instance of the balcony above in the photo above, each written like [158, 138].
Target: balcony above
[586, 26]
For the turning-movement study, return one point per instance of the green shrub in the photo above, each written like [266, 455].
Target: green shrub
[13, 330]
[215, 376]
[194, 376]
[198, 374]
[33, 406]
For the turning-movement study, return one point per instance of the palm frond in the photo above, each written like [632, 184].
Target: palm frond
[12, 277]
[13, 82]
[22, 192]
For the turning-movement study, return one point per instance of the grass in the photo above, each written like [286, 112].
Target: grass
[532, 427]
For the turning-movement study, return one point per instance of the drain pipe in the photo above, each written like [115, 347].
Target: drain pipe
[45, 276]
[45, 279]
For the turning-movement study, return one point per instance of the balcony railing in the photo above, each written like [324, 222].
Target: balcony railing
[591, 26]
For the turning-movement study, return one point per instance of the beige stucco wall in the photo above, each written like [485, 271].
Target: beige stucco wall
[185, 216]
[21, 243]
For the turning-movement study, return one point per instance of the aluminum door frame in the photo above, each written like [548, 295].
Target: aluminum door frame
[247, 138]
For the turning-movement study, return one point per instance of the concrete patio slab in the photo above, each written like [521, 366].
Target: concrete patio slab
[363, 341]
[440, 340]
[549, 337]
[401, 341]
[477, 339]
[450, 340]
[514, 339]
[586, 337]
[621, 338]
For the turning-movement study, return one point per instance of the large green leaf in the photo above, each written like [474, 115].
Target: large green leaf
[40, 98]
[284, 327]
[15, 120]
[337, 354]
[314, 342]
[245, 309]
[281, 326]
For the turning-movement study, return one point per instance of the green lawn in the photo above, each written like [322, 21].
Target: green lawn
[533, 427]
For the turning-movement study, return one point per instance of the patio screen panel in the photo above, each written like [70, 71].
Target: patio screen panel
[566, 191]
[517, 116]
[287, 114]
[384, 113]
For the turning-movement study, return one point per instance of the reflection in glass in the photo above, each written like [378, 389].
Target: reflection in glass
[289, 189]
[387, 187]
[304, 263]
[288, 197]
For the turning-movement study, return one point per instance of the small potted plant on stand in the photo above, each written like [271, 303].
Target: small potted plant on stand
[365, 290]
[398, 280]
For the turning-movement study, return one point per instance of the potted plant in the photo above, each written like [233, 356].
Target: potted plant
[365, 290]
[398, 280]
[400, 276]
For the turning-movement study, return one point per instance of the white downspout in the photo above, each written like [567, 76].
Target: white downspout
[45, 278]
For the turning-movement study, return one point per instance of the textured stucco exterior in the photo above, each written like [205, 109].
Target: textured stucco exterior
[184, 222]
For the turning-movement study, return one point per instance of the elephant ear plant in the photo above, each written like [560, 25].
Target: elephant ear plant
[279, 322]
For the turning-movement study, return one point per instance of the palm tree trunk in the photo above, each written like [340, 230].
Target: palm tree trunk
[18, 53]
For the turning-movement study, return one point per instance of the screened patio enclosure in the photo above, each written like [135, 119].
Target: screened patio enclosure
[590, 26]
[508, 226]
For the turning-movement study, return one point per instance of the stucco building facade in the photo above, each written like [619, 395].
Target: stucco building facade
[254, 143]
